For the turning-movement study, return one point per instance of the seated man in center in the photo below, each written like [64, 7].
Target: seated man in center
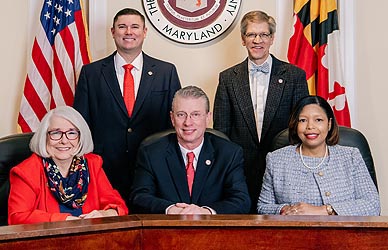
[190, 171]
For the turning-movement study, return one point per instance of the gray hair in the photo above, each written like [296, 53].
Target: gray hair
[257, 16]
[38, 143]
[193, 92]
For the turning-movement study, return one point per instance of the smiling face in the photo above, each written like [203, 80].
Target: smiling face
[128, 33]
[258, 49]
[190, 119]
[63, 150]
[313, 128]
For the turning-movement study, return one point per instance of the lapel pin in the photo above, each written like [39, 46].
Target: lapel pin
[280, 81]
[150, 73]
[208, 162]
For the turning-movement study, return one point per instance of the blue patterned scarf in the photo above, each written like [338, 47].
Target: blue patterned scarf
[72, 190]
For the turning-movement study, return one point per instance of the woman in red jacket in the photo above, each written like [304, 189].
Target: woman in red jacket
[61, 180]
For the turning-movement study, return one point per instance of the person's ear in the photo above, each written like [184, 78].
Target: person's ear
[172, 118]
[145, 31]
[208, 118]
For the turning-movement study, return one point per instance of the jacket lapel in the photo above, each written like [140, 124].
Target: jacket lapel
[204, 165]
[275, 90]
[147, 77]
[177, 169]
[242, 92]
[109, 74]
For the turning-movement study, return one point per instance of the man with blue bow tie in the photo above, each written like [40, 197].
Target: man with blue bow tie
[255, 97]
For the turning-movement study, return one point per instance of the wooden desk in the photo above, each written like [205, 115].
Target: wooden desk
[151, 232]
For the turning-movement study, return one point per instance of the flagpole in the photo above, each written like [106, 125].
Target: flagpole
[284, 27]
[97, 28]
[347, 43]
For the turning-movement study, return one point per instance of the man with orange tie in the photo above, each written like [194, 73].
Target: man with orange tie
[190, 171]
[125, 97]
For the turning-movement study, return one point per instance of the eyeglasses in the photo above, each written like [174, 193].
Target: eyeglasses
[263, 36]
[195, 116]
[56, 135]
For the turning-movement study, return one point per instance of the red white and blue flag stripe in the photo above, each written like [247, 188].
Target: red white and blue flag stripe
[59, 50]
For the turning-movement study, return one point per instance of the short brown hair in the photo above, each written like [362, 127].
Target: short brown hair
[257, 16]
[128, 11]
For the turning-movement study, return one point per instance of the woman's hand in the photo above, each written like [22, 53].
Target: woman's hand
[303, 209]
[99, 214]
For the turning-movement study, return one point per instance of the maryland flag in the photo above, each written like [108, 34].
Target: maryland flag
[314, 47]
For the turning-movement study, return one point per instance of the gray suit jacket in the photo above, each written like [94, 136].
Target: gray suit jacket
[234, 113]
[343, 181]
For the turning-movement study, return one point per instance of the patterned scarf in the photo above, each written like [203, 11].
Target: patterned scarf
[71, 191]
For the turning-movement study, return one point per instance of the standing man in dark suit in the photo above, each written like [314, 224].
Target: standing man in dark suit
[163, 184]
[117, 131]
[255, 97]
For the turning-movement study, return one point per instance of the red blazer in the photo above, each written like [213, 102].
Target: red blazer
[31, 201]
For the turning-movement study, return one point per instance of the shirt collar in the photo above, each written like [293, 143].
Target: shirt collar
[120, 62]
[269, 61]
[196, 151]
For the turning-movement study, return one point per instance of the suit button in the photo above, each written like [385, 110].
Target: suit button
[320, 173]
[129, 130]
[327, 193]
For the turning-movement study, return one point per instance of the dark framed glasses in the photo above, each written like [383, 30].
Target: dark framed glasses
[56, 135]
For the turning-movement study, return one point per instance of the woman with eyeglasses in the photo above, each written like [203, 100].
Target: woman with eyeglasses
[62, 179]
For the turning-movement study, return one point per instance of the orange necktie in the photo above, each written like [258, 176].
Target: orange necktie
[129, 88]
[190, 170]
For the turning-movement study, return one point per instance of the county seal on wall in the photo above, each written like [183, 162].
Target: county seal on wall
[191, 21]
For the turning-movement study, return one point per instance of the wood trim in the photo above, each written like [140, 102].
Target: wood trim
[201, 232]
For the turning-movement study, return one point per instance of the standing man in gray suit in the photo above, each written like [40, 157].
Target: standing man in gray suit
[255, 97]
[117, 128]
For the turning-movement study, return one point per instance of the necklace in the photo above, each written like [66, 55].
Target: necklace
[307, 166]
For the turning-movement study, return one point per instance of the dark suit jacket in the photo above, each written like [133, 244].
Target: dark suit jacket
[234, 113]
[117, 136]
[219, 182]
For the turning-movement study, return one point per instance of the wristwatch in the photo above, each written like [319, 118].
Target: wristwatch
[329, 209]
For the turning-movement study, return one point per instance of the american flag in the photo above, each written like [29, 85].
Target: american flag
[59, 50]
[314, 46]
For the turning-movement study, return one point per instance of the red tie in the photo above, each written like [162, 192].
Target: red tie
[190, 170]
[129, 88]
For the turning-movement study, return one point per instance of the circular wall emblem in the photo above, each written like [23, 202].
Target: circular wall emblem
[191, 21]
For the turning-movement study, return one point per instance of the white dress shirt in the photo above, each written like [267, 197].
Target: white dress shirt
[196, 152]
[259, 82]
[136, 71]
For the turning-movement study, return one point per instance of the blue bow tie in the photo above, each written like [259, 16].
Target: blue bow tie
[262, 68]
